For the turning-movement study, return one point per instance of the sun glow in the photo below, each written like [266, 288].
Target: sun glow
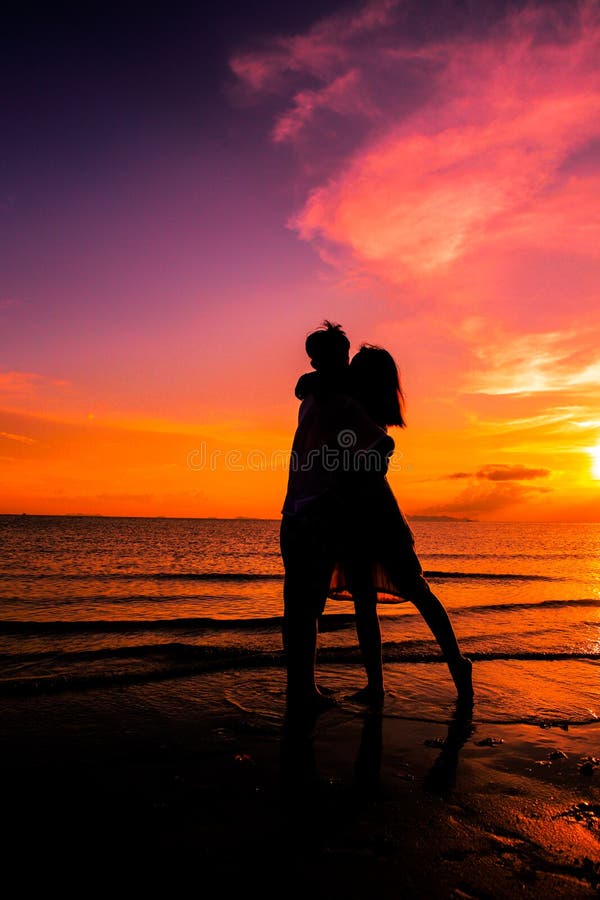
[595, 454]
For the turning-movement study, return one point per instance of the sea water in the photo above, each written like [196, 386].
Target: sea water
[93, 601]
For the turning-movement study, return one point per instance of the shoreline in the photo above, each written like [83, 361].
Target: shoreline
[360, 805]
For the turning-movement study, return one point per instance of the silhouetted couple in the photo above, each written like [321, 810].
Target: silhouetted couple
[342, 530]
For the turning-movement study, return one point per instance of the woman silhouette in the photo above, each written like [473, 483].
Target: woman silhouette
[380, 558]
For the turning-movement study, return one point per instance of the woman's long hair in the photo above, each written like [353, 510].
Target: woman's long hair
[375, 382]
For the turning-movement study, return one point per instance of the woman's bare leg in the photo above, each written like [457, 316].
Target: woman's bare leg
[440, 626]
[369, 640]
[393, 546]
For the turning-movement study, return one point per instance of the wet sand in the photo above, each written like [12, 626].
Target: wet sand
[147, 785]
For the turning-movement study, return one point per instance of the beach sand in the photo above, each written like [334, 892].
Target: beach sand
[157, 784]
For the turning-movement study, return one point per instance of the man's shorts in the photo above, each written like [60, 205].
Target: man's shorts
[311, 543]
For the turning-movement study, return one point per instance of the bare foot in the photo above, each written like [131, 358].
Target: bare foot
[324, 690]
[462, 674]
[368, 695]
[321, 701]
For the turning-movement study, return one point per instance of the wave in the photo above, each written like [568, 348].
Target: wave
[410, 651]
[250, 576]
[23, 626]
[175, 650]
[163, 661]
[493, 656]
[543, 556]
[491, 576]
[537, 604]
[124, 600]
[184, 661]
[146, 576]
[329, 622]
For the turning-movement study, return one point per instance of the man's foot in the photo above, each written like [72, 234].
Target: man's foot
[302, 711]
[368, 695]
[314, 702]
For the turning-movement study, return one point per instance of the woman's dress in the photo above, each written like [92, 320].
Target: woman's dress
[381, 549]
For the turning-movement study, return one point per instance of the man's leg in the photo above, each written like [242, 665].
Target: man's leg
[300, 643]
[308, 568]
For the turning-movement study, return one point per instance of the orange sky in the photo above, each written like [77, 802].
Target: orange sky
[434, 189]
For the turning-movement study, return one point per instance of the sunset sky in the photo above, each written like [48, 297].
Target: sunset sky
[184, 196]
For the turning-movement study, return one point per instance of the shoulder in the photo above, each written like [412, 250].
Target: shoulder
[306, 385]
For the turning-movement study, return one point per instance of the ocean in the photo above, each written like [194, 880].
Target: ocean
[95, 601]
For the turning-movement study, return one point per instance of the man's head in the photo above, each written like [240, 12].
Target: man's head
[328, 348]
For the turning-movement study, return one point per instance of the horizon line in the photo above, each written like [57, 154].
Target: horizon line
[432, 518]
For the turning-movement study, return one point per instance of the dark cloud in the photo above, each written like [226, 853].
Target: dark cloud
[502, 472]
[511, 473]
[485, 498]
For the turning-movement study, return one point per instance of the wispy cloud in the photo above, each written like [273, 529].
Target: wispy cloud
[19, 438]
[538, 362]
[322, 53]
[342, 97]
[26, 384]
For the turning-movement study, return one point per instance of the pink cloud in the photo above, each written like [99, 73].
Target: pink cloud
[18, 382]
[484, 165]
[21, 385]
[466, 141]
[459, 177]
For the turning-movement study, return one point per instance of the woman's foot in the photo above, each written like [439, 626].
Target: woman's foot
[370, 696]
[327, 692]
[462, 675]
[321, 701]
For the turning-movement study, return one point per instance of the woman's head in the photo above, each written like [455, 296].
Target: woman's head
[375, 382]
